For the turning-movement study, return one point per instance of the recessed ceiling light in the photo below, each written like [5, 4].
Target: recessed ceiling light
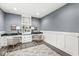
[37, 14]
[15, 9]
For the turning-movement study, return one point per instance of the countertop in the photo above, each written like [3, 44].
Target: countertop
[12, 34]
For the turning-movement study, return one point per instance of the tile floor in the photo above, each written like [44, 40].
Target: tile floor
[29, 49]
[39, 50]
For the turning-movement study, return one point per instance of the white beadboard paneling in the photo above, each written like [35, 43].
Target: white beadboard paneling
[60, 41]
[71, 44]
[50, 38]
[65, 41]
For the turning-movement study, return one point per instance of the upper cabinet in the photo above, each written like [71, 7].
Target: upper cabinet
[26, 25]
[26, 21]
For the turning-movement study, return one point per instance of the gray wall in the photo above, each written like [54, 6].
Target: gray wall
[1, 20]
[11, 19]
[65, 19]
[36, 22]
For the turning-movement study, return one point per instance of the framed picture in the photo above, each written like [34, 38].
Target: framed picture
[13, 27]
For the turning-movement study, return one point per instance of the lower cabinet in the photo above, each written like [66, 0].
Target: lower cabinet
[3, 41]
[26, 38]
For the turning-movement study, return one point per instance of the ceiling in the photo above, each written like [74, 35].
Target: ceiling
[30, 9]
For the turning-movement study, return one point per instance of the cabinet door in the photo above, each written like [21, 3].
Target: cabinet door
[60, 41]
[71, 45]
[29, 38]
[0, 42]
[26, 21]
[26, 38]
[3, 41]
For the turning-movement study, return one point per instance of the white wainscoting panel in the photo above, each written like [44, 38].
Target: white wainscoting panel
[71, 45]
[60, 41]
[65, 41]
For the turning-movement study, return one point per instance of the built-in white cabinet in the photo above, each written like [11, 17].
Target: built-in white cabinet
[26, 21]
[67, 42]
[26, 25]
[3, 41]
[26, 38]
